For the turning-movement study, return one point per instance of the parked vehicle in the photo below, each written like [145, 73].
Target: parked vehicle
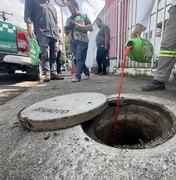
[18, 51]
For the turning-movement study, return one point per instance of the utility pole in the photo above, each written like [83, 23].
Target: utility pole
[62, 3]
[3, 15]
[63, 39]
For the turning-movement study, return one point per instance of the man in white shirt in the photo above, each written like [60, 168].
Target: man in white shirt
[167, 56]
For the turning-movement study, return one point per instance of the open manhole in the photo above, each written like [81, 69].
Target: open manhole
[141, 124]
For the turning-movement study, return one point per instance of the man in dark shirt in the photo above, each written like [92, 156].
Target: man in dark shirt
[43, 16]
[102, 42]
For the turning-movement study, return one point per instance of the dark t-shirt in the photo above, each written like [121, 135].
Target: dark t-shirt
[100, 38]
[43, 15]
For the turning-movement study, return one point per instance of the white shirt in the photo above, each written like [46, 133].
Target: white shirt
[144, 10]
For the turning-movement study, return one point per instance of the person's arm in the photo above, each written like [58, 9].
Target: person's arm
[59, 38]
[66, 30]
[106, 41]
[28, 17]
[67, 26]
[86, 26]
[30, 30]
[143, 15]
[106, 32]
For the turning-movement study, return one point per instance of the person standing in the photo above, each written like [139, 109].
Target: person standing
[102, 42]
[42, 15]
[167, 56]
[77, 26]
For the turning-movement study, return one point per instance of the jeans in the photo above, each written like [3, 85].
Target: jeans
[101, 60]
[58, 61]
[80, 52]
[48, 54]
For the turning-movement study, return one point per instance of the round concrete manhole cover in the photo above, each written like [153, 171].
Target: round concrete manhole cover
[62, 111]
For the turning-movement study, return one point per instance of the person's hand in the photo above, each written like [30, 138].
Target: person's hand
[30, 31]
[106, 47]
[137, 31]
[79, 25]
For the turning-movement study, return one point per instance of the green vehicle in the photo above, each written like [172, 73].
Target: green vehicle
[18, 51]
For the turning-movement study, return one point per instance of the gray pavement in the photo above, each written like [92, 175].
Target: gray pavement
[12, 85]
[69, 153]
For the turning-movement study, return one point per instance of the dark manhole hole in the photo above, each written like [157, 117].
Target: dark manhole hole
[141, 124]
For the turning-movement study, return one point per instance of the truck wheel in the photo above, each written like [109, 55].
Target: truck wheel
[35, 73]
[11, 72]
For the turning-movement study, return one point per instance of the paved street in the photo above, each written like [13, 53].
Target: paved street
[13, 85]
[71, 154]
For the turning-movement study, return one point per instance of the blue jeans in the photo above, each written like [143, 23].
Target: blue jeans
[48, 54]
[80, 52]
[101, 60]
[58, 61]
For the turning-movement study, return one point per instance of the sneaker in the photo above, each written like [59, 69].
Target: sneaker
[154, 85]
[56, 77]
[76, 80]
[47, 78]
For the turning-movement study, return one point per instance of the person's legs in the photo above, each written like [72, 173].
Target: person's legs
[73, 44]
[86, 72]
[58, 61]
[53, 54]
[44, 45]
[164, 70]
[167, 57]
[98, 58]
[81, 53]
[79, 50]
[103, 60]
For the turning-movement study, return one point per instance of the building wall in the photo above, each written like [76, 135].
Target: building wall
[120, 15]
[92, 49]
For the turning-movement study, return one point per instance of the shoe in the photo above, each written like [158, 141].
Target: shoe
[154, 85]
[76, 80]
[86, 77]
[102, 74]
[47, 78]
[97, 73]
[56, 77]
[59, 73]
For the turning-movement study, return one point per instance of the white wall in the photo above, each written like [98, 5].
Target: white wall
[91, 53]
[92, 49]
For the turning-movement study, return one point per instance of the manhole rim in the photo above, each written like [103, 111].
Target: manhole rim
[165, 146]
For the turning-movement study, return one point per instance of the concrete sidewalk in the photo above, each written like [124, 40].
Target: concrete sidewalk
[70, 154]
